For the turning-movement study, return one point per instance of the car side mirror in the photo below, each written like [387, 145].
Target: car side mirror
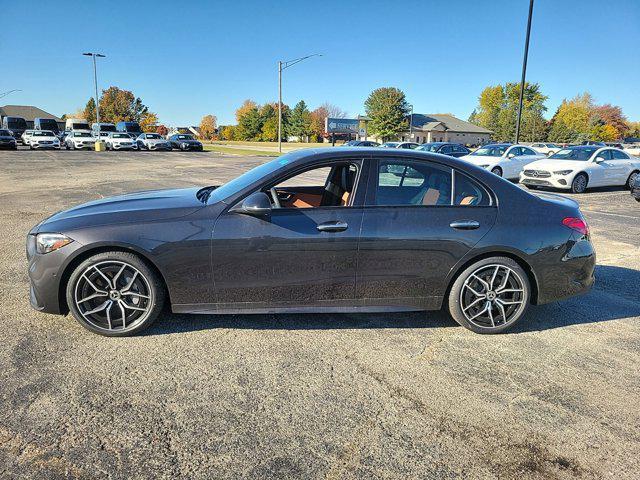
[599, 159]
[511, 155]
[257, 205]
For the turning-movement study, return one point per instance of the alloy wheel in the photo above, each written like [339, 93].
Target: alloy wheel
[580, 183]
[113, 296]
[492, 296]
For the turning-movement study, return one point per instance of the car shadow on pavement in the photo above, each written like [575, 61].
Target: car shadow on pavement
[615, 296]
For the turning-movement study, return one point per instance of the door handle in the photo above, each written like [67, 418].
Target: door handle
[464, 224]
[337, 226]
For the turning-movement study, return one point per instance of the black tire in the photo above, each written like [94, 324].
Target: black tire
[632, 179]
[66, 145]
[146, 275]
[30, 147]
[579, 183]
[497, 171]
[457, 296]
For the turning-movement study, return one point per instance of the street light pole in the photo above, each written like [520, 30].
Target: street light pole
[95, 80]
[281, 66]
[524, 70]
[411, 124]
[4, 94]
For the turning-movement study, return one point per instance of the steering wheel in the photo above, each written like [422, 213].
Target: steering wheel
[274, 194]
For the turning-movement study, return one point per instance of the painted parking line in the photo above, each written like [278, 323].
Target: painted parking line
[612, 214]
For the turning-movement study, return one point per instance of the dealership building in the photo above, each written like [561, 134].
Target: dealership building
[439, 127]
[29, 113]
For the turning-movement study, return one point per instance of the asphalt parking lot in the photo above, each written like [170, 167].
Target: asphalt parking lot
[310, 396]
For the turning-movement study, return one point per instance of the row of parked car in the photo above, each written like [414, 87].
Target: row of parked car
[79, 135]
[574, 167]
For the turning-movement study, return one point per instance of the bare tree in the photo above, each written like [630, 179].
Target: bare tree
[334, 111]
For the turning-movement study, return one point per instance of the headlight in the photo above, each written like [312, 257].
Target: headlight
[48, 242]
[563, 172]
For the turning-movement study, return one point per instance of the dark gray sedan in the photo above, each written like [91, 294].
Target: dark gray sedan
[327, 230]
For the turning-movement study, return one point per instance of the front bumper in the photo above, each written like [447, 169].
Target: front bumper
[45, 276]
[160, 146]
[554, 181]
[45, 145]
[120, 146]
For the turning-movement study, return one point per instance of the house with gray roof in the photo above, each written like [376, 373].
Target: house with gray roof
[440, 127]
[29, 113]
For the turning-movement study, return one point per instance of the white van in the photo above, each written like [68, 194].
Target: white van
[72, 124]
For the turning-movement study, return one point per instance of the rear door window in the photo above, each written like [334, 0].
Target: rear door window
[402, 182]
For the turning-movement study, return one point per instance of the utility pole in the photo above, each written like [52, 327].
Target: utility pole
[411, 124]
[524, 70]
[281, 66]
[95, 80]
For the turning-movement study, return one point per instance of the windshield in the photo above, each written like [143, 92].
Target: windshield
[132, 127]
[43, 133]
[390, 144]
[491, 151]
[5, 133]
[16, 123]
[574, 154]
[81, 134]
[80, 126]
[120, 135]
[107, 128]
[49, 124]
[153, 136]
[428, 147]
[185, 137]
[247, 178]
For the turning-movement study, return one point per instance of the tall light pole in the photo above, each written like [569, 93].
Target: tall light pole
[411, 123]
[95, 79]
[524, 70]
[281, 66]
[4, 94]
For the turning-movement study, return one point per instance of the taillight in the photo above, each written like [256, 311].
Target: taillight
[577, 224]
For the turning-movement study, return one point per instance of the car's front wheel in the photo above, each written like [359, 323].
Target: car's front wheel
[579, 184]
[115, 294]
[497, 171]
[490, 296]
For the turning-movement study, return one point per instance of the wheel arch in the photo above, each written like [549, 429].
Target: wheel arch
[94, 250]
[533, 279]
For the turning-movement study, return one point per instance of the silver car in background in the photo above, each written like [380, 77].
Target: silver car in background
[152, 141]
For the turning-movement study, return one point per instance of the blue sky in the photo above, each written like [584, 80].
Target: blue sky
[189, 59]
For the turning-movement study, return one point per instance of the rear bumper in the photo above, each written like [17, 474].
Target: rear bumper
[572, 275]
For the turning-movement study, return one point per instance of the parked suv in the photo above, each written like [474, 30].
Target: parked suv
[15, 125]
[132, 128]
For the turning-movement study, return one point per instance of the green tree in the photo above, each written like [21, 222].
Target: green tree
[89, 113]
[269, 122]
[300, 121]
[490, 103]
[249, 122]
[388, 108]
[317, 123]
[573, 119]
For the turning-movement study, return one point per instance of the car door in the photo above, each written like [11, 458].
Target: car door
[302, 255]
[416, 227]
[510, 163]
[621, 168]
[600, 167]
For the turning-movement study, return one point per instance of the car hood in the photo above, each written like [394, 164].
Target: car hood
[148, 206]
[479, 160]
[555, 165]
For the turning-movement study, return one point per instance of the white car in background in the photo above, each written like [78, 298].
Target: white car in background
[43, 139]
[26, 136]
[120, 141]
[152, 141]
[405, 145]
[503, 159]
[79, 139]
[580, 167]
[633, 149]
[546, 148]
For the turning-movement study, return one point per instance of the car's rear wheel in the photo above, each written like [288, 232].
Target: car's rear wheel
[579, 184]
[497, 171]
[115, 294]
[490, 296]
[631, 181]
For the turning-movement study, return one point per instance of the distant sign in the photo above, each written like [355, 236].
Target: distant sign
[341, 125]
